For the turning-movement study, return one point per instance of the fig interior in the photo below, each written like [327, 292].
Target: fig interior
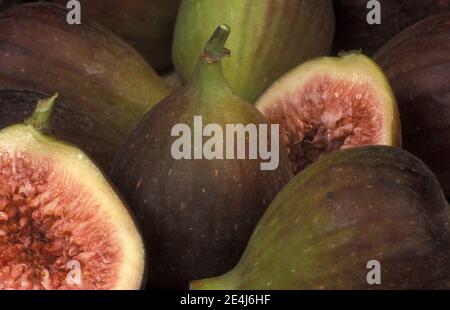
[51, 238]
[323, 115]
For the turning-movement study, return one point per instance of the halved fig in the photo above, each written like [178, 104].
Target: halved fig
[62, 226]
[332, 103]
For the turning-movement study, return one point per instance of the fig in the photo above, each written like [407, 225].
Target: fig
[332, 103]
[417, 63]
[353, 31]
[270, 37]
[172, 81]
[95, 72]
[197, 212]
[367, 206]
[62, 226]
[146, 24]
[68, 123]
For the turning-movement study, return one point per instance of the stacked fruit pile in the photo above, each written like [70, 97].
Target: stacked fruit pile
[120, 211]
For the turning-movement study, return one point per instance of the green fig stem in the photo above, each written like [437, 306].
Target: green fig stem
[215, 49]
[42, 115]
[208, 80]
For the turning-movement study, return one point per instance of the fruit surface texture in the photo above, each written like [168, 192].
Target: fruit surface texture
[197, 214]
[352, 207]
[354, 32]
[95, 72]
[146, 24]
[417, 63]
[269, 38]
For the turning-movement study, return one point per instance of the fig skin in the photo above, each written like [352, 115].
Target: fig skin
[269, 38]
[197, 215]
[4, 4]
[353, 68]
[351, 207]
[32, 138]
[146, 24]
[354, 33]
[95, 72]
[67, 123]
[417, 63]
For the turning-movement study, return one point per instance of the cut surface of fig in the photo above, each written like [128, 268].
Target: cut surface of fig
[330, 104]
[61, 224]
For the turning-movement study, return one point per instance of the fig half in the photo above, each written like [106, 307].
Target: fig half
[62, 226]
[332, 103]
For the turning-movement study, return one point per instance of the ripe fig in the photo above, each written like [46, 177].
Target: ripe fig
[332, 103]
[417, 63]
[197, 214]
[67, 124]
[62, 226]
[373, 213]
[269, 38]
[354, 31]
[146, 24]
[96, 73]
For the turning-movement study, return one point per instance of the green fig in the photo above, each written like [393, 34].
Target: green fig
[371, 217]
[198, 212]
[269, 38]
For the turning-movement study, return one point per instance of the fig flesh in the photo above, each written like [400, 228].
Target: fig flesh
[344, 212]
[62, 226]
[417, 63]
[331, 103]
[269, 38]
[95, 72]
[197, 214]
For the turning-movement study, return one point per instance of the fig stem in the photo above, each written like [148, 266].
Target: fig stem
[214, 49]
[41, 117]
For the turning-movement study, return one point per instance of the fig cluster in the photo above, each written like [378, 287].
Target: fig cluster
[239, 144]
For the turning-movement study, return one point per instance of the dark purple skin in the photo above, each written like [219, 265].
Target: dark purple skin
[99, 75]
[354, 33]
[417, 63]
[68, 124]
[197, 215]
[4, 4]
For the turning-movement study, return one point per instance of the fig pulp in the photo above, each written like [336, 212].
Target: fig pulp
[100, 76]
[339, 216]
[146, 24]
[62, 226]
[269, 38]
[417, 63]
[197, 214]
[329, 104]
[353, 32]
